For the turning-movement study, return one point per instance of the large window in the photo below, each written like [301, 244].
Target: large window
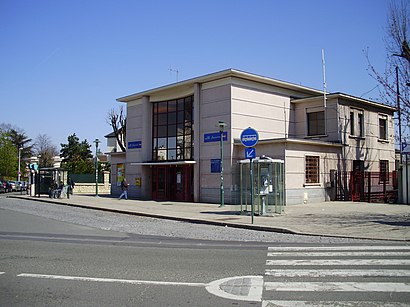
[316, 123]
[312, 169]
[173, 130]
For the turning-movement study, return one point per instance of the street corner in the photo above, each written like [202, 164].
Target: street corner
[243, 288]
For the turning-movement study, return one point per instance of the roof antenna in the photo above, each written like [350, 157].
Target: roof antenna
[174, 70]
[324, 77]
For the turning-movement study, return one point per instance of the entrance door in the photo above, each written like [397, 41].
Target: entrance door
[159, 183]
[172, 183]
[357, 180]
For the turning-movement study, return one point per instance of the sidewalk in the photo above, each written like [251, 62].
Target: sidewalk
[337, 219]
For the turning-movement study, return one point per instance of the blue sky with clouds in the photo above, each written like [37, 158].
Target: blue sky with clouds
[63, 63]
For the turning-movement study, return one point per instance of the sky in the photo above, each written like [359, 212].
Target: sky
[63, 63]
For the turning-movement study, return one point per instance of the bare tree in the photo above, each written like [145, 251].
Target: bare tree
[117, 119]
[392, 85]
[44, 147]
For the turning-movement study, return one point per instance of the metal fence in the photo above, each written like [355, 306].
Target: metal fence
[381, 187]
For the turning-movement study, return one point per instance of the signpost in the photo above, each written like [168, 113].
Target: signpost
[249, 138]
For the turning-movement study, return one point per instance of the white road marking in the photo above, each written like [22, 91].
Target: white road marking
[253, 293]
[272, 303]
[356, 262]
[126, 281]
[1, 273]
[334, 248]
[337, 286]
[245, 288]
[337, 273]
[337, 254]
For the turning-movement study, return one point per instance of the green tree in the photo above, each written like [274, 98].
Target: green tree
[8, 157]
[77, 156]
[21, 141]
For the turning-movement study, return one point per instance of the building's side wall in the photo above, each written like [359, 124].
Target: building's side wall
[332, 126]
[139, 129]
[215, 106]
[369, 148]
[297, 190]
[240, 104]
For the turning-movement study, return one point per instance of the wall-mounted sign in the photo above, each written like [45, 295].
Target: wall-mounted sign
[134, 145]
[215, 165]
[215, 137]
[138, 181]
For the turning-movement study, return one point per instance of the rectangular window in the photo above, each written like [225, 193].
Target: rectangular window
[383, 127]
[172, 127]
[384, 171]
[352, 123]
[361, 124]
[316, 123]
[356, 123]
[312, 169]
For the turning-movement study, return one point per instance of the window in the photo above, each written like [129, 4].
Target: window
[356, 123]
[384, 171]
[383, 127]
[312, 169]
[316, 123]
[352, 123]
[361, 124]
[172, 130]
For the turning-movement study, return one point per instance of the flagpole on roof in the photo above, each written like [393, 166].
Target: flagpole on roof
[324, 77]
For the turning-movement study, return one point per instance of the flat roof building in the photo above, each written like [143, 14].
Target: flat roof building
[173, 138]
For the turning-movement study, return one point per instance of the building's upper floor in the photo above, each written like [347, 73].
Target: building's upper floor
[276, 109]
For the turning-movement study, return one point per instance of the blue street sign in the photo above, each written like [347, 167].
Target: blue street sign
[215, 137]
[215, 165]
[249, 137]
[250, 153]
[133, 145]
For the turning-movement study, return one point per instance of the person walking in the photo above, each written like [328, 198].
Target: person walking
[124, 187]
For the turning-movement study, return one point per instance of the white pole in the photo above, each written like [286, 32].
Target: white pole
[19, 174]
[324, 77]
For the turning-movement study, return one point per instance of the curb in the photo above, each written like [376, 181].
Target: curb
[206, 222]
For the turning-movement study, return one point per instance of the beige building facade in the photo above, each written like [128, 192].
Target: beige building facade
[173, 144]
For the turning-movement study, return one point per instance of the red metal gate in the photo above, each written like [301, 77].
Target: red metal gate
[367, 186]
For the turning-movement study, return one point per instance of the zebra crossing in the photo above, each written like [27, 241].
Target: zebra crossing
[337, 276]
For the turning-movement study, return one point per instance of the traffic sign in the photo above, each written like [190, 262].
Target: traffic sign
[249, 137]
[250, 153]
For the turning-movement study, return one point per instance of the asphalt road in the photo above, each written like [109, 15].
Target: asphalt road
[55, 255]
[40, 258]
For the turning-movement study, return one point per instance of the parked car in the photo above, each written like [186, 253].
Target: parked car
[6, 185]
[14, 186]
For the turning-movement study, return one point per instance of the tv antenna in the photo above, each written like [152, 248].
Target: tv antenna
[176, 71]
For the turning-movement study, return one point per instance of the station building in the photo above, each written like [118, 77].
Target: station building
[173, 137]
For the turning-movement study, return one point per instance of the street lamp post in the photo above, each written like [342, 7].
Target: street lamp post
[19, 174]
[96, 141]
[222, 126]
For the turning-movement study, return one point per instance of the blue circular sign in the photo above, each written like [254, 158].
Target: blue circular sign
[249, 137]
